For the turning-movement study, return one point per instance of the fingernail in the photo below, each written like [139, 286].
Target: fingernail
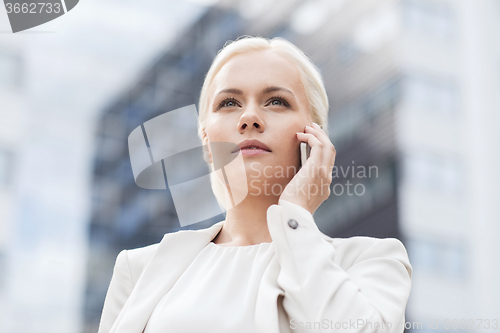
[316, 125]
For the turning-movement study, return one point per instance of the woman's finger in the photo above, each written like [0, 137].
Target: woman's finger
[330, 157]
[316, 146]
[328, 148]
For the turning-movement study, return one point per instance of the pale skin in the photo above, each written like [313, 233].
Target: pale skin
[280, 119]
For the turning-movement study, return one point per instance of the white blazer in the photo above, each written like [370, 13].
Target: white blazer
[315, 282]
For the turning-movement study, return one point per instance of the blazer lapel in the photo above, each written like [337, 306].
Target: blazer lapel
[174, 254]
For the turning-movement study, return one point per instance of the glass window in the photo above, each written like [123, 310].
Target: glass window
[341, 126]
[10, 70]
[431, 93]
[134, 214]
[190, 62]
[349, 120]
[6, 159]
[424, 254]
[432, 171]
[3, 269]
[437, 256]
[431, 18]
[364, 192]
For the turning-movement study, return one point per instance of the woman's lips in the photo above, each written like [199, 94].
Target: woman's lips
[253, 151]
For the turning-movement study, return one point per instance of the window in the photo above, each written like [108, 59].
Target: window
[432, 171]
[437, 256]
[382, 98]
[133, 215]
[432, 18]
[3, 269]
[6, 168]
[432, 93]
[366, 191]
[349, 120]
[10, 70]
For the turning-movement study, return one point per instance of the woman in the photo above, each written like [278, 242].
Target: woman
[266, 267]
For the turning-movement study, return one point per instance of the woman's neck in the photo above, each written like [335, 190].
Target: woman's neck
[246, 224]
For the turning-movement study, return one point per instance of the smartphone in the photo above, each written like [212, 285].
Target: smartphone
[305, 151]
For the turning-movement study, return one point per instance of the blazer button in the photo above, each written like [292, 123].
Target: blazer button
[293, 224]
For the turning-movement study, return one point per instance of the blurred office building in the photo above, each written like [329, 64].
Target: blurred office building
[12, 133]
[53, 81]
[411, 85]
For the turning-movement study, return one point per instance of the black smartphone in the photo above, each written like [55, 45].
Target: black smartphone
[305, 151]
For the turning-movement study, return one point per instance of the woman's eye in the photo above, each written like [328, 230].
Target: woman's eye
[280, 101]
[275, 101]
[228, 102]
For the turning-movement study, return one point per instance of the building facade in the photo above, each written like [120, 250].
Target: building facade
[12, 134]
[396, 73]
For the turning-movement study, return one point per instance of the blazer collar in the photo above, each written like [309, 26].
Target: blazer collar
[174, 254]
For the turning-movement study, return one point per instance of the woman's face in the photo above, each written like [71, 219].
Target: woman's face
[250, 112]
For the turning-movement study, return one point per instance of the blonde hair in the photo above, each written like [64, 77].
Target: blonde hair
[310, 77]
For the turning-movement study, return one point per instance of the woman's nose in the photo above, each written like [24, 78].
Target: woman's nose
[251, 118]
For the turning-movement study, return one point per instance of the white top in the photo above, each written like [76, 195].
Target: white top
[216, 293]
[309, 278]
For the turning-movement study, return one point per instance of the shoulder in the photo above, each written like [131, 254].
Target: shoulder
[136, 259]
[353, 250]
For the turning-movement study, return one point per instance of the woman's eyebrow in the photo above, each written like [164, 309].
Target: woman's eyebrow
[274, 88]
[231, 91]
[265, 91]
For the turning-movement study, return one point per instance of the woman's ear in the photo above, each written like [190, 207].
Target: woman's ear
[207, 155]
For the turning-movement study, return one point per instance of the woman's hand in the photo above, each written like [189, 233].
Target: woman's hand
[311, 185]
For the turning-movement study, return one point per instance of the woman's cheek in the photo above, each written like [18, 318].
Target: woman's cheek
[215, 131]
